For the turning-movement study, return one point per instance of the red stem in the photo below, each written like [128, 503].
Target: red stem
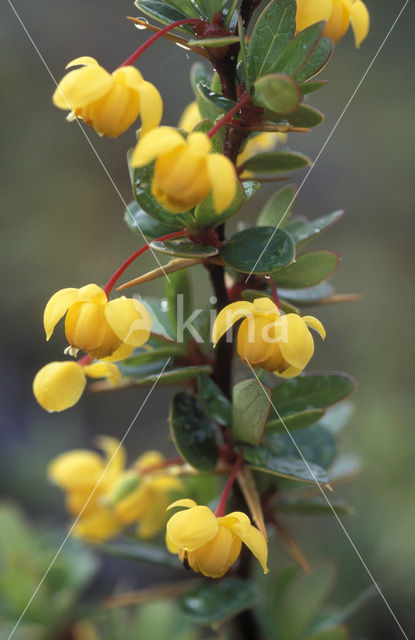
[221, 508]
[110, 284]
[84, 361]
[275, 294]
[133, 57]
[228, 116]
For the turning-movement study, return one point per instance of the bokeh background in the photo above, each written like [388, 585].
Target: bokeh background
[62, 226]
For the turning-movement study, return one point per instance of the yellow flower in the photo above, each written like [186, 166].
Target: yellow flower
[100, 328]
[59, 385]
[258, 143]
[211, 545]
[99, 490]
[185, 171]
[109, 102]
[278, 343]
[338, 15]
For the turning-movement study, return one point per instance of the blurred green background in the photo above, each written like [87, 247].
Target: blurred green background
[62, 226]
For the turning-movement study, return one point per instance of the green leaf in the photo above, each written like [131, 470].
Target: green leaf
[275, 162]
[335, 633]
[199, 73]
[342, 614]
[277, 92]
[214, 602]
[336, 417]
[250, 410]
[174, 376]
[299, 50]
[243, 250]
[304, 116]
[184, 249]
[140, 552]
[310, 87]
[296, 420]
[211, 104]
[214, 42]
[310, 590]
[277, 209]
[164, 13]
[179, 297]
[317, 61]
[205, 126]
[138, 221]
[309, 295]
[263, 459]
[312, 391]
[206, 215]
[314, 506]
[214, 401]
[155, 355]
[272, 32]
[193, 432]
[316, 444]
[309, 269]
[305, 230]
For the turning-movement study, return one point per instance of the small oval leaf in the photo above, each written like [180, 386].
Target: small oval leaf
[308, 270]
[277, 92]
[250, 410]
[258, 250]
[184, 249]
[214, 602]
[275, 162]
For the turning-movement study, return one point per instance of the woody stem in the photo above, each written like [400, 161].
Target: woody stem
[228, 116]
[133, 57]
[111, 282]
[221, 508]
[275, 294]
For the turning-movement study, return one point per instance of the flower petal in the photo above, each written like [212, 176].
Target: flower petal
[266, 305]
[59, 385]
[187, 503]
[151, 107]
[115, 457]
[228, 316]
[173, 548]
[315, 324]
[76, 470]
[149, 459]
[92, 293]
[339, 21]
[56, 308]
[192, 528]
[295, 341]
[130, 76]
[311, 11]
[249, 535]
[359, 17]
[256, 339]
[155, 143]
[81, 87]
[190, 117]
[223, 180]
[102, 524]
[123, 351]
[214, 558]
[81, 61]
[129, 320]
[103, 370]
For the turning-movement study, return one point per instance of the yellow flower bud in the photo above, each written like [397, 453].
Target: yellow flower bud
[100, 328]
[59, 385]
[338, 15]
[279, 343]
[211, 545]
[190, 117]
[109, 102]
[186, 170]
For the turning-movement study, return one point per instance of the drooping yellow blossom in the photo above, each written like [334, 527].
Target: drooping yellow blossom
[258, 143]
[278, 343]
[59, 385]
[211, 545]
[107, 497]
[339, 14]
[100, 328]
[109, 102]
[186, 170]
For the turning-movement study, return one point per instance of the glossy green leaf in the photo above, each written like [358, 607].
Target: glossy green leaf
[272, 32]
[250, 410]
[214, 401]
[315, 506]
[214, 42]
[315, 443]
[178, 289]
[243, 250]
[309, 295]
[261, 458]
[153, 355]
[199, 73]
[193, 432]
[312, 391]
[206, 8]
[277, 92]
[310, 87]
[336, 417]
[304, 116]
[211, 104]
[306, 230]
[299, 50]
[309, 269]
[138, 221]
[174, 376]
[164, 13]
[275, 162]
[277, 209]
[309, 590]
[184, 249]
[158, 309]
[252, 294]
[296, 420]
[214, 602]
[317, 61]
[206, 215]
[140, 551]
